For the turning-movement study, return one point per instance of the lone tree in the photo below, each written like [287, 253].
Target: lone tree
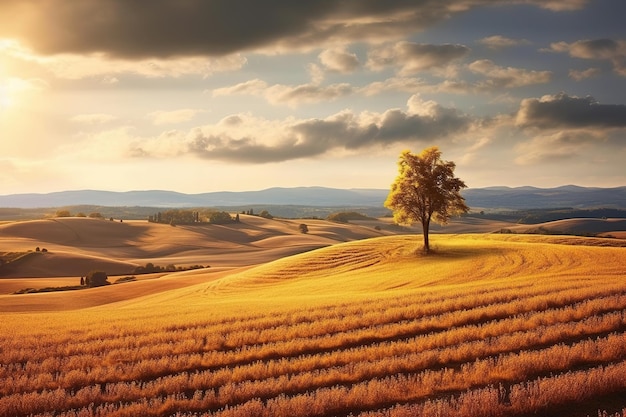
[424, 190]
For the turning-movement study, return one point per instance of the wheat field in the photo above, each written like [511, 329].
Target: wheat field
[490, 325]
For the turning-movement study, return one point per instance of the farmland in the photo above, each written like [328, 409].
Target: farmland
[491, 325]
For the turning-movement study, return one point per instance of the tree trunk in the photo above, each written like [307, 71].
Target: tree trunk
[425, 227]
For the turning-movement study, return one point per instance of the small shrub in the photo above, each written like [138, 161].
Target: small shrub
[303, 228]
[125, 279]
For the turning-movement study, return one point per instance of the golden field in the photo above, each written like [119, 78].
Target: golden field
[345, 320]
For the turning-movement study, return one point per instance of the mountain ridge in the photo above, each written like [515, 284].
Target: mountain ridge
[497, 197]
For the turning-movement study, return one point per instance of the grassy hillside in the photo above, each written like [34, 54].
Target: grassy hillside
[491, 325]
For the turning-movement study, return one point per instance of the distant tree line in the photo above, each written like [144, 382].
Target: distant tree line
[185, 217]
[345, 217]
[67, 213]
[151, 268]
[264, 213]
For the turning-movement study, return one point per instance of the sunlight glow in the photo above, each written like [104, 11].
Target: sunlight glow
[5, 99]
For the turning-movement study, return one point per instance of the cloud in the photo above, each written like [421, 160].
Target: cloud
[560, 5]
[306, 93]
[499, 42]
[74, 66]
[563, 111]
[579, 75]
[555, 147]
[173, 28]
[409, 57]
[597, 49]
[246, 139]
[339, 60]
[402, 84]
[287, 94]
[173, 116]
[507, 77]
[252, 87]
[94, 118]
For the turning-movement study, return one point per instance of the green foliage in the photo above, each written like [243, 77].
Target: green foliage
[266, 214]
[63, 213]
[96, 279]
[151, 268]
[95, 215]
[303, 228]
[220, 217]
[177, 216]
[345, 217]
[424, 190]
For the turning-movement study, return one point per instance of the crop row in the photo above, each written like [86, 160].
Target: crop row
[352, 388]
[428, 332]
[103, 337]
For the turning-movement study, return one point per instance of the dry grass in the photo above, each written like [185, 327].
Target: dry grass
[488, 326]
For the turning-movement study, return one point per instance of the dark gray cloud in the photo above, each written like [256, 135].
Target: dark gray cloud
[166, 28]
[563, 111]
[346, 130]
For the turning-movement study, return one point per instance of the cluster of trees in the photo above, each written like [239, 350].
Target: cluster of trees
[180, 216]
[95, 279]
[67, 213]
[151, 268]
[264, 213]
[345, 217]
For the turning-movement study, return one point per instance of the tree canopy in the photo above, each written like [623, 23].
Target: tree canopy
[424, 190]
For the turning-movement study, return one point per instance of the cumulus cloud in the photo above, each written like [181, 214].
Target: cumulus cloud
[294, 95]
[339, 60]
[402, 84]
[174, 28]
[499, 42]
[410, 57]
[246, 139]
[563, 111]
[507, 77]
[306, 93]
[597, 49]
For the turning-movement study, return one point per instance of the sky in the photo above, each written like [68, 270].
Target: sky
[234, 95]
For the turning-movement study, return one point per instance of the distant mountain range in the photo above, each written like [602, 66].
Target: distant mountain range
[484, 198]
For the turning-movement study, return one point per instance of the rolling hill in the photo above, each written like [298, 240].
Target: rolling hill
[490, 325]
